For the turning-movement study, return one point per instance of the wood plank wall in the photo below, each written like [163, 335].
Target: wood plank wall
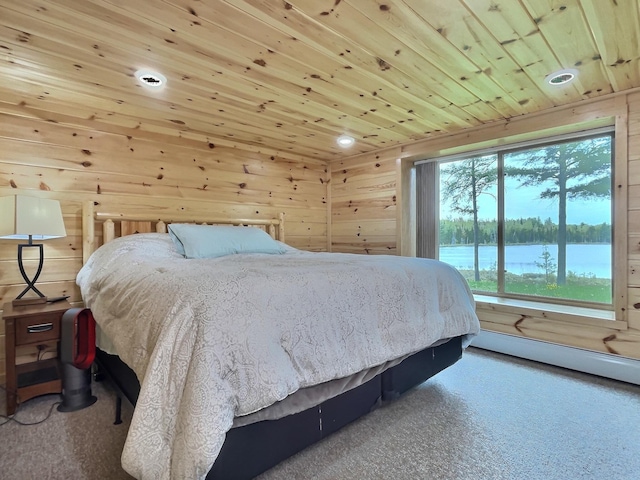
[365, 219]
[133, 170]
[363, 203]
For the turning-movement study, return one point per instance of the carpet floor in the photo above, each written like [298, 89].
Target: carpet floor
[489, 416]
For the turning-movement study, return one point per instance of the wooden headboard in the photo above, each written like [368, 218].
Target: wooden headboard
[117, 225]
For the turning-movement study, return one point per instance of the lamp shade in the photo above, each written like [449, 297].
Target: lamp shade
[21, 217]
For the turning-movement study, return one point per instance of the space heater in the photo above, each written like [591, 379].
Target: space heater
[77, 351]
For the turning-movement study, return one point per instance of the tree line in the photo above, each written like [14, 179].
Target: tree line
[520, 231]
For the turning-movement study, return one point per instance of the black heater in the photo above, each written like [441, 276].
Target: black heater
[77, 351]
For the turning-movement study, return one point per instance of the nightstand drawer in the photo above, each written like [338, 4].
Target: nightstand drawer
[37, 328]
[32, 333]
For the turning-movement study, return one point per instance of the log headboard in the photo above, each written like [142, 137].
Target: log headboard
[118, 225]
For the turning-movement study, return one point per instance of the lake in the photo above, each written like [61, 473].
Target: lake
[588, 259]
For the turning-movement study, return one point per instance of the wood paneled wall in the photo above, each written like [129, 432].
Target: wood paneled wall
[363, 203]
[132, 170]
[366, 217]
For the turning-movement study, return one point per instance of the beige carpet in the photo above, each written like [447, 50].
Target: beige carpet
[77, 445]
[488, 417]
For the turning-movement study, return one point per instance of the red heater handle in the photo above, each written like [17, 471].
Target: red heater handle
[78, 327]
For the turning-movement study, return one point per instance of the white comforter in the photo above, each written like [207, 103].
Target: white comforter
[217, 338]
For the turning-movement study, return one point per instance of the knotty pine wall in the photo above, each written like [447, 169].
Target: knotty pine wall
[133, 170]
[363, 203]
[367, 191]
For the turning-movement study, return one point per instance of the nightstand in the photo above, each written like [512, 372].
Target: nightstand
[32, 327]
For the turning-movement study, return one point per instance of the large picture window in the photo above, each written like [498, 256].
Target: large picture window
[530, 221]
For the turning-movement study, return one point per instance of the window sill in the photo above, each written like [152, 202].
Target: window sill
[562, 313]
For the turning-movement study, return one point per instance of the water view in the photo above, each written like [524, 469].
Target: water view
[582, 259]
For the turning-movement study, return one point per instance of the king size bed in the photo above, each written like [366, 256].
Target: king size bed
[238, 351]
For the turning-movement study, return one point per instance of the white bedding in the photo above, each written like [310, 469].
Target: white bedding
[216, 338]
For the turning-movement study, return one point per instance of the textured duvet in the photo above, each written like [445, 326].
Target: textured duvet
[218, 338]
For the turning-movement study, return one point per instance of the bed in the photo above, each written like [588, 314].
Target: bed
[246, 359]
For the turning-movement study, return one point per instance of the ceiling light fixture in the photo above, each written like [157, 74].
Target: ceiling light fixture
[561, 77]
[345, 141]
[151, 79]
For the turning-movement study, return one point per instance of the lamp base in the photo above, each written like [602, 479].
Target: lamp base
[21, 302]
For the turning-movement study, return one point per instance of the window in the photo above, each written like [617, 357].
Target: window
[528, 221]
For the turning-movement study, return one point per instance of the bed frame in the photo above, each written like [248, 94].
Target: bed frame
[252, 449]
[118, 225]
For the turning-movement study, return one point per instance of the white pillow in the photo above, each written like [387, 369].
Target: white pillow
[210, 241]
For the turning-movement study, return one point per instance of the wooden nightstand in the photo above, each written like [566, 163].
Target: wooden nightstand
[32, 326]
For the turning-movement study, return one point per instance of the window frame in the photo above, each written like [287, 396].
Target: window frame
[500, 151]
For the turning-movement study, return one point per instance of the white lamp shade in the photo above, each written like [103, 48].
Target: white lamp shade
[22, 216]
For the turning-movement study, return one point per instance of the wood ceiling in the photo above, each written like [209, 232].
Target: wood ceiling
[293, 75]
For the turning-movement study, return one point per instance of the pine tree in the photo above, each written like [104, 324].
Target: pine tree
[573, 170]
[466, 181]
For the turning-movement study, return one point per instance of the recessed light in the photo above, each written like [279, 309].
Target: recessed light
[345, 141]
[151, 79]
[561, 77]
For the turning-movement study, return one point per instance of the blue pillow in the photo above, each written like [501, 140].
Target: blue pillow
[210, 241]
[176, 240]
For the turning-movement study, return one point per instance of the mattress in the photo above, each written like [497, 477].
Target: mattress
[213, 340]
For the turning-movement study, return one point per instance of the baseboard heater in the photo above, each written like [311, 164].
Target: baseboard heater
[587, 361]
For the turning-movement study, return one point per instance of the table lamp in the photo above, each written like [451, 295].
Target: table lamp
[29, 218]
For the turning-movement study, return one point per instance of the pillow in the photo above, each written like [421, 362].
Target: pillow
[176, 240]
[210, 241]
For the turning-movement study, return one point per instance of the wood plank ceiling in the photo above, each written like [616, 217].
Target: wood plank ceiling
[293, 75]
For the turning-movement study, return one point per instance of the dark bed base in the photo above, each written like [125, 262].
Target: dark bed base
[255, 448]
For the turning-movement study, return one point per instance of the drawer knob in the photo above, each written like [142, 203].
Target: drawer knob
[43, 327]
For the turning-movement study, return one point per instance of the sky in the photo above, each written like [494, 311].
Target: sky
[524, 202]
